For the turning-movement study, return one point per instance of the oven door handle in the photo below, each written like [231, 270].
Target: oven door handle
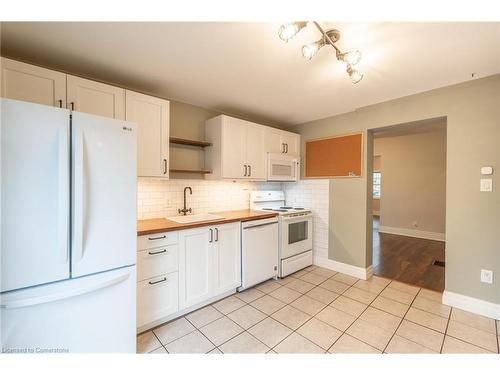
[297, 218]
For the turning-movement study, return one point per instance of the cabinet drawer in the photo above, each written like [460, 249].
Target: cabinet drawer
[158, 261]
[157, 298]
[152, 241]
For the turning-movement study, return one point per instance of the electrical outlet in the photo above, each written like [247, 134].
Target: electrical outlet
[487, 276]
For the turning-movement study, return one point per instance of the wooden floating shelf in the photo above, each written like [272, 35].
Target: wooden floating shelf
[189, 171]
[189, 142]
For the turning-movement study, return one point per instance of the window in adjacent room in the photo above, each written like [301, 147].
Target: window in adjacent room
[376, 184]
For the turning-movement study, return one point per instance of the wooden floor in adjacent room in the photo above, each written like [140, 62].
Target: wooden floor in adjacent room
[408, 259]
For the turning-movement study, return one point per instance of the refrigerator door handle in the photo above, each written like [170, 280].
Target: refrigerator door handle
[79, 191]
[64, 183]
[31, 301]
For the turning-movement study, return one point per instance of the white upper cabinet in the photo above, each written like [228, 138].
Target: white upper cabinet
[97, 98]
[282, 142]
[34, 84]
[238, 149]
[151, 114]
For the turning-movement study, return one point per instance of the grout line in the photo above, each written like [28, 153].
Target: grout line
[446, 330]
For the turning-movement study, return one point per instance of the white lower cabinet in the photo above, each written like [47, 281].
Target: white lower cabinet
[180, 270]
[209, 263]
[157, 298]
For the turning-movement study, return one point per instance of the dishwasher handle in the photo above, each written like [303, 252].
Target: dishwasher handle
[260, 225]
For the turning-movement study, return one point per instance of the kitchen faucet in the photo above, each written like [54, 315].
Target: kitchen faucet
[185, 210]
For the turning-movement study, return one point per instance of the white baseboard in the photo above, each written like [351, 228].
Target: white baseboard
[413, 233]
[359, 272]
[473, 305]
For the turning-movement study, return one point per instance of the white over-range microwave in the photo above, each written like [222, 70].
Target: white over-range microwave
[281, 167]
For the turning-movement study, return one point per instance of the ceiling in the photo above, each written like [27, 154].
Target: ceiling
[244, 69]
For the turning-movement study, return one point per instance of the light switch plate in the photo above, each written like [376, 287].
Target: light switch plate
[486, 170]
[487, 276]
[486, 184]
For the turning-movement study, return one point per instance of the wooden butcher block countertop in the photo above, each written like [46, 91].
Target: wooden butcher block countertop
[151, 226]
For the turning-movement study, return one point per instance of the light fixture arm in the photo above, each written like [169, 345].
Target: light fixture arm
[338, 52]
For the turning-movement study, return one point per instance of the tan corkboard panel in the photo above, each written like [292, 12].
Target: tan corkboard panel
[339, 156]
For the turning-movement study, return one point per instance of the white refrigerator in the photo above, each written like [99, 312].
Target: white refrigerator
[68, 231]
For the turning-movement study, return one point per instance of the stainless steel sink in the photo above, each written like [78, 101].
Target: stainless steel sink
[194, 218]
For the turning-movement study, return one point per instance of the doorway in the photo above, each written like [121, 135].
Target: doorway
[408, 202]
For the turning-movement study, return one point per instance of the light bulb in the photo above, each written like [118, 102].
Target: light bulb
[309, 50]
[288, 30]
[351, 57]
[354, 74]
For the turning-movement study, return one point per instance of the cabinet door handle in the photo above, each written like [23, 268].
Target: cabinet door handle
[249, 170]
[60, 103]
[157, 282]
[211, 235]
[216, 234]
[156, 238]
[72, 106]
[164, 166]
[245, 171]
[286, 148]
[282, 148]
[157, 252]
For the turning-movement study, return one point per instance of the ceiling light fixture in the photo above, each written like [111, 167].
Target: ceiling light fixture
[289, 30]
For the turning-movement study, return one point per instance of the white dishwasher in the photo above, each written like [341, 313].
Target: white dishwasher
[259, 251]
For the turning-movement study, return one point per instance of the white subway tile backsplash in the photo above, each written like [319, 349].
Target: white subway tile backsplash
[161, 198]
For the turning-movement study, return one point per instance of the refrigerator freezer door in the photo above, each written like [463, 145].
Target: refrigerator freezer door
[89, 314]
[104, 232]
[34, 195]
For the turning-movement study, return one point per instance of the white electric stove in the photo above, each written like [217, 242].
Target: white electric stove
[295, 230]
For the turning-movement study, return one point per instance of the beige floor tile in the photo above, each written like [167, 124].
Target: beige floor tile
[173, 330]
[228, 304]
[349, 344]
[308, 305]
[268, 286]
[285, 294]
[473, 336]
[421, 335]
[397, 295]
[291, 317]
[498, 327]
[267, 304]
[249, 295]
[271, 352]
[324, 272]
[160, 350]
[390, 306]
[221, 330]
[360, 295]
[270, 332]
[313, 278]
[454, 346]
[403, 287]
[299, 274]
[431, 294]
[346, 279]
[215, 351]
[322, 295]
[244, 343]
[285, 280]
[381, 319]
[335, 318]
[380, 280]
[295, 343]
[319, 333]
[432, 306]
[203, 316]
[400, 345]
[147, 342]
[349, 306]
[369, 286]
[370, 334]
[195, 342]
[334, 286]
[247, 316]
[477, 321]
[426, 319]
[300, 286]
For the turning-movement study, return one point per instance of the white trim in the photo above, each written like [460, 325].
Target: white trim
[413, 233]
[359, 272]
[474, 305]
